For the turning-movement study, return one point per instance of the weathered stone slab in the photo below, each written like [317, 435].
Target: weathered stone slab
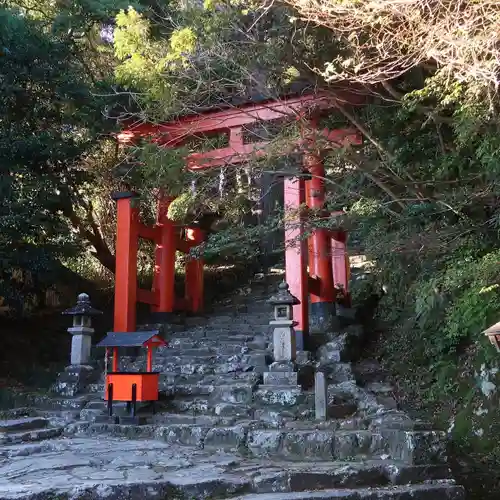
[282, 366]
[421, 492]
[30, 436]
[15, 413]
[23, 424]
[315, 444]
[349, 445]
[265, 442]
[281, 378]
[233, 393]
[183, 434]
[233, 410]
[226, 437]
[418, 447]
[280, 396]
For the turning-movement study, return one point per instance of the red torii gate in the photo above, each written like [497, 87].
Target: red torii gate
[326, 268]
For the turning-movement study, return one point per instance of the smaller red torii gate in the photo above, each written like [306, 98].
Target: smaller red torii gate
[313, 267]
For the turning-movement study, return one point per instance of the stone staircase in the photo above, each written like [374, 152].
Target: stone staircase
[247, 440]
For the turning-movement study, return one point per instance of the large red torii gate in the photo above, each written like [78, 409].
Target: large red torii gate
[326, 267]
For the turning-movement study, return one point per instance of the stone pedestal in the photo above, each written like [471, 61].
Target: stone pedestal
[75, 379]
[281, 373]
[81, 344]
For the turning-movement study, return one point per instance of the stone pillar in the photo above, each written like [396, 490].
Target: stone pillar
[320, 396]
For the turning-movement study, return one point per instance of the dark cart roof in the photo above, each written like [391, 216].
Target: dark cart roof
[131, 339]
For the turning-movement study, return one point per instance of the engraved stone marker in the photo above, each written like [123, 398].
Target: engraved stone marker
[320, 396]
[284, 343]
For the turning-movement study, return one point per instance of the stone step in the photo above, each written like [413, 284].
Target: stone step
[198, 383]
[232, 393]
[219, 336]
[415, 447]
[242, 318]
[116, 468]
[193, 343]
[354, 423]
[314, 475]
[282, 396]
[14, 413]
[99, 408]
[431, 491]
[219, 379]
[164, 419]
[209, 359]
[193, 405]
[226, 393]
[245, 363]
[238, 326]
[22, 424]
[51, 403]
[201, 352]
[30, 436]
[222, 346]
[233, 410]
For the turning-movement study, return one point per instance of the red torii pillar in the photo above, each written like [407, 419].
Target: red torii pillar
[127, 242]
[164, 234]
[164, 274]
[296, 255]
[321, 287]
[340, 264]
[194, 272]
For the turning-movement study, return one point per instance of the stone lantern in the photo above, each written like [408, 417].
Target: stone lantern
[81, 330]
[493, 333]
[282, 372]
[284, 342]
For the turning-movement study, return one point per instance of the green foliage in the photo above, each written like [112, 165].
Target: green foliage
[49, 120]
